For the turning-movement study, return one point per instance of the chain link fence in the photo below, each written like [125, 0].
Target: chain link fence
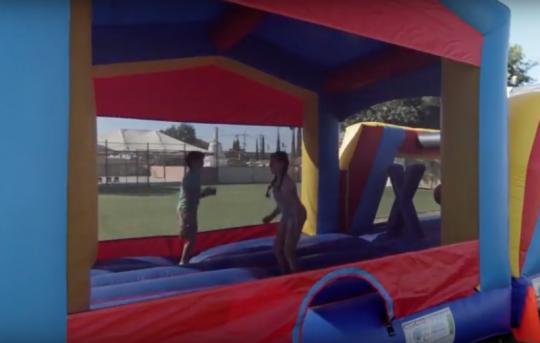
[139, 163]
[151, 164]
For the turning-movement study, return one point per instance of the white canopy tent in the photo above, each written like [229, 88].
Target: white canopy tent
[144, 140]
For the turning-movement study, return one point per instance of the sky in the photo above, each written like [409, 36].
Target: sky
[524, 30]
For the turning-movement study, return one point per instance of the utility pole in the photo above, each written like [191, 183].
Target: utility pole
[106, 161]
[216, 152]
[278, 142]
[299, 142]
[293, 144]
[263, 148]
[257, 149]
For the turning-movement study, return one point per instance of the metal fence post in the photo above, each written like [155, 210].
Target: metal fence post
[106, 162]
[137, 166]
[185, 167]
[164, 163]
[148, 173]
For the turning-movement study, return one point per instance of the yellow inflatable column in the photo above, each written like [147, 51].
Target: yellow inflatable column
[523, 121]
[459, 152]
[82, 185]
[310, 164]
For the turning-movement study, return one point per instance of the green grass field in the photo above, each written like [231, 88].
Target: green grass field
[153, 213]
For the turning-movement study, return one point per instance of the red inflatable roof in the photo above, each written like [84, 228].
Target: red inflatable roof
[201, 94]
[424, 25]
[285, 54]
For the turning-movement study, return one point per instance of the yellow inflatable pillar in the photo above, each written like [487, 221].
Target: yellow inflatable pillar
[459, 152]
[523, 123]
[82, 185]
[310, 164]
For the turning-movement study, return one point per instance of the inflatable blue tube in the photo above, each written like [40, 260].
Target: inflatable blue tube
[389, 244]
[259, 259]
[360, 319]
[492, 19]
[248, 245]
[328, 179]
[353, 250]
[319, 251]
[179, 283]
[337, 257]
[138, 275]
[306, 245]
[131, 263]
[96, 272]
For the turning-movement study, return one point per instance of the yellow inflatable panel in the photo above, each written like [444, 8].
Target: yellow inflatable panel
[523, 120]
[310, 165]
[82, 186]
[459, 152]
[348, 145]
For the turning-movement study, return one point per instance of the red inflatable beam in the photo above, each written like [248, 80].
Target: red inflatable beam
[236, 23]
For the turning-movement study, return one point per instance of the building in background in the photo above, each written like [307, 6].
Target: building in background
[215, 156]
[131, 156]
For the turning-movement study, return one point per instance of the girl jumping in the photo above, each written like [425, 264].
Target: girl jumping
[293, 213]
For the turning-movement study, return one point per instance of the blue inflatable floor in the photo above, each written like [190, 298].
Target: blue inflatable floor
[133, 279]
[128, 292]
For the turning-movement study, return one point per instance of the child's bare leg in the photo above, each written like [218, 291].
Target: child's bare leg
[186, 252]
[291, 242]
[279, 242]
[188, 233]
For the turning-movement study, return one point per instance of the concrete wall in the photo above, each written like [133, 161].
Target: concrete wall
[235, 175]
[174, 174]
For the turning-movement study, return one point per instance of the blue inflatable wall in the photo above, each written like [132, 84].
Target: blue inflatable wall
[34, 97]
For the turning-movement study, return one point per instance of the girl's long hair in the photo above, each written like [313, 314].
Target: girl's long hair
[282, 157]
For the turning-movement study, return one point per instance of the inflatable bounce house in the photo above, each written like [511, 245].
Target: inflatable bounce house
[457, 277]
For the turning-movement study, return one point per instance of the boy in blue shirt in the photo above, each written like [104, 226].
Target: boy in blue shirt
[188, 202]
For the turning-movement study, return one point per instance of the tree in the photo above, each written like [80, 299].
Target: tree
[236, 145]
[185, 133]
[518, 67]
[416, 112]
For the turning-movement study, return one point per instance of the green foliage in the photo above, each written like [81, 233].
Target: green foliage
[236, 145]
[518, 67]
[416, 112]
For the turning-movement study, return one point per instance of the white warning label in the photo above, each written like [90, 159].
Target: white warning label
[436, 327]
[536, 286]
